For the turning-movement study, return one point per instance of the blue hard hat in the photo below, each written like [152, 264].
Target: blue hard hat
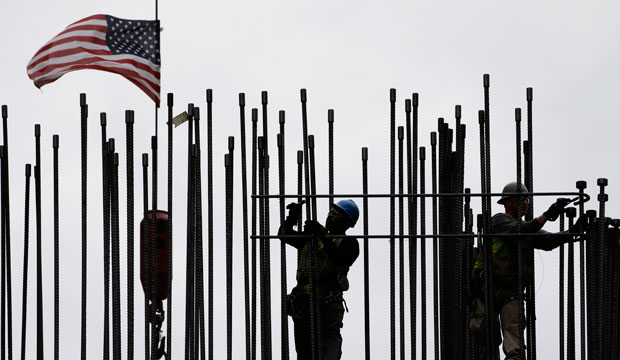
[350, 208]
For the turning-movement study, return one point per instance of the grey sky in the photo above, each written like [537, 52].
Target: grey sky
[347, 54]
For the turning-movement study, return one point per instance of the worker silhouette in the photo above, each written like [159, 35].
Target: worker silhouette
[334, 256]
[505, 291]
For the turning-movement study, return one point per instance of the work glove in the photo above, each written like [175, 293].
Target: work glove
[313, 227]
[556, 209]
[294, 212]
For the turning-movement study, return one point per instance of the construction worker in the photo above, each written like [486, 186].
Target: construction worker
[505, 291]
[334, 256]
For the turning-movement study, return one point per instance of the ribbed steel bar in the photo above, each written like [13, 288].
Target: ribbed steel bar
[106, 235]
[152, 245]
[562, 338]
[84, 180]
[410, 201]
[571, 212]
[603, 338]
[392, 220]
[199, 250]
[401, 246]
[486, 245]
[581, 186]
[520, 255]
[246, 254]
[190, 308]
[7, 221]
[435, 245]
[261, 251]
[330, 153]
[413, 218]
[254, 315]
[267, 245]
[25, 265]
[283, 286]
[37, 173]
[313, 321]
[116, 278]
[314, 246]
[3, 272]
[423, 251]
[210, 239]
[129, 173]
[146, 251]
[312, 174]
[228, 161]
[366, 256]
[170, 103]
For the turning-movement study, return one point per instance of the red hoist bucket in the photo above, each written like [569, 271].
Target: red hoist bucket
[161, 255]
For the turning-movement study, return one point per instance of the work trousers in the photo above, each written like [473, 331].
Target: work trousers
[506, 317]
[331, 340]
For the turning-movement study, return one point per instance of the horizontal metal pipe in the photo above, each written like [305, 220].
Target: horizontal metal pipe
[416, 195]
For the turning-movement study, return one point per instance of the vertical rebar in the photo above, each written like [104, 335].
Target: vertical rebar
[561, 295]
[170, 101]
[435, 245]
[129, 121]
[254, 239]
[84, 156]
[199, 258]
[145, 250]
[520, 279]
[581, 186]
[313, 321]
[267, 255]
[116, 281]
[571, 212]
[366, 257]
[283, 285]
[190, 308]
[37, 172]
[106, 236]
[210, 239]
[55, 145]
[153, 249]
[392, 220]
[603, 338]
[25, 271]
[413, 226]
[7, 221]
[330, 122]
[423, 248]
[229, 244]
[401, 248]
[246, 255]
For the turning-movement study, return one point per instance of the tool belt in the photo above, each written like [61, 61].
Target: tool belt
[298, 304]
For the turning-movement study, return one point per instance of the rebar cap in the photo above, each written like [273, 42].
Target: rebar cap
[129, 117]
[364, 153]
[145, 160]
[601, 182]
[170, 99]
[408, 105]
[103, 119]
[415, 99]
[422, 153]
[392, 95]
[5, 111]
[457, 111]
[401, 133]
[330, 116]
[571, 212]
[486, 80]
[529, 94]
[303, 95]
[37, 130]
[241, 99]
[231, 143]
[581, 184]
[82, 99]
[282, 116]
[55, 141]
[209, 95]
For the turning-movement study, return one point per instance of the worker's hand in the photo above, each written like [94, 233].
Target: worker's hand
[556, 209]
[294, 211]
[313, 227]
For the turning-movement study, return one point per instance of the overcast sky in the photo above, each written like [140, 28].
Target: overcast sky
[348, 55]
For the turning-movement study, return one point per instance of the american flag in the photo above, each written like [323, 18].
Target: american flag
[103, 42]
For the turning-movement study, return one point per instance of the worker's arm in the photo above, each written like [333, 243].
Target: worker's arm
[505, 224]
[553, 240]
